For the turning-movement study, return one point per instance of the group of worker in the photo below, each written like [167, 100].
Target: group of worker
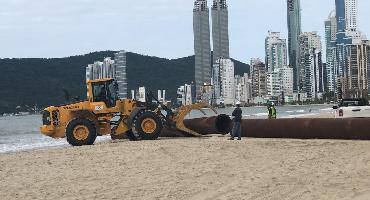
[237, 114]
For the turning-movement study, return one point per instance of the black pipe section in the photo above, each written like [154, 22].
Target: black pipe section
[221, 124]
[297, 128]
[348, 129]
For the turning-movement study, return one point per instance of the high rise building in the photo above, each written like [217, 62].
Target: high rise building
[243, 89]
[258, 71]
[311, 68]
[220, 29]
[342, 40]
[358, 70]
[202, 45]
[100, 70]
[120, 73]
[330, 39]
[109, 68]
[274, 84]
[294, 30]
[351, 14]
[224, 68]
[276, 51]
[286, 76]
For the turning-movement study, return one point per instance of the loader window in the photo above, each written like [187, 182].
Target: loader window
[104, 92]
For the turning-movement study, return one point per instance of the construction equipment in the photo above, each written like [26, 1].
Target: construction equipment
[103, 113]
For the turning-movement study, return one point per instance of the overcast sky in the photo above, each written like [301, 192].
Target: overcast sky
[59, 28]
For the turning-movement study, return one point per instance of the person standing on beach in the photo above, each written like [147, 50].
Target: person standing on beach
[269, 111]
[237, 129]
[273, 111]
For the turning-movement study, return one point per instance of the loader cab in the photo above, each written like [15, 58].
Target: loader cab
[104, 90]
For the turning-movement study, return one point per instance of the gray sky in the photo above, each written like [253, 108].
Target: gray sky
[58, 28]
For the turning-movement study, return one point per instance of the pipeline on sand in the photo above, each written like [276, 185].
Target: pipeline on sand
[220, 124]
[351, 128]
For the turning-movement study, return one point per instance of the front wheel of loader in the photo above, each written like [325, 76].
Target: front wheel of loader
[147, 125]
[81, 132]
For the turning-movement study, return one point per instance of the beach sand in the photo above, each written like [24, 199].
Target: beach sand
[191, 168]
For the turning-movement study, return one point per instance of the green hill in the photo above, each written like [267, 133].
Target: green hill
[30, 81]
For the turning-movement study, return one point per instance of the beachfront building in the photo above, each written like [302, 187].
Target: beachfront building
[243, 89]
[100, 70]
[220, 29]
[185, 95]
[141, 94]
[224, 67]
[311, 68]
[330, 39]
[161, 96]
[276, 51]
[286, 76]
[294, 30]
[258, 73]
[273, 85]
[358, 75]
[202, 45]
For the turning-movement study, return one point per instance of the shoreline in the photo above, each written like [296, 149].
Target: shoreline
[191, 168]
[55, 143]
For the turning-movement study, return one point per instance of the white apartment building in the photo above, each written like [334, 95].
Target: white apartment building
[100, 70]
[276, 51]
[225, 68]
[274, 84]
[110, 69]
[185, 95]
[141, 94]
[161, 96]
[351, 14]
[286, 74]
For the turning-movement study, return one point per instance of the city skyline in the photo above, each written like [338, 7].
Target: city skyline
[51, 30]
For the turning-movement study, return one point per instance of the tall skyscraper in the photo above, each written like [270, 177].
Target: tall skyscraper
[351, 14]
[202, 45]
[330, 38]
[223, 75]
[358, 70]
[294, 30]
[276, 51]
[311, 74]
[220, 30]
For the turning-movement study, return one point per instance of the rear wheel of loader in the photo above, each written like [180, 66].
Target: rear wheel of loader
[147, 125]
[81, 132]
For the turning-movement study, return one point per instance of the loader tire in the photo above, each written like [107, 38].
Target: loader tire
[81, 132]
[147, 125]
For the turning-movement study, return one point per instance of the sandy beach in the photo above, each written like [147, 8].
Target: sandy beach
[191, 168]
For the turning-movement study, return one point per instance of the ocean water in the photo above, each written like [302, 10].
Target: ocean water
[21, 133]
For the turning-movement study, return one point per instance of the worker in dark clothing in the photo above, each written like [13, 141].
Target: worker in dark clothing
[237, 129]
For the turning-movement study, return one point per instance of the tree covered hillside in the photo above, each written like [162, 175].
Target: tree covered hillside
[30, 81]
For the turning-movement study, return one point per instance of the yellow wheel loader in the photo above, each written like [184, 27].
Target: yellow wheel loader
[103, 113]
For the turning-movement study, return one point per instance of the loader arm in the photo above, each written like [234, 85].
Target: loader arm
[183, 111]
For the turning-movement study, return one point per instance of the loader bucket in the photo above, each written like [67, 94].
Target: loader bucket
[218, 124]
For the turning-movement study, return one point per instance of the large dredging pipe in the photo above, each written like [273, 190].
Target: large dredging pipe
[220, 124]
[297, 128]
[350, 128]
